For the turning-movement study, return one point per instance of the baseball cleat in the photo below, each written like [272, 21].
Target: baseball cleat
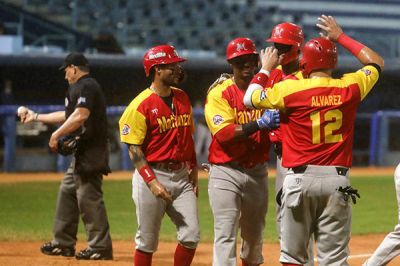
[57, 250]
[91, 254]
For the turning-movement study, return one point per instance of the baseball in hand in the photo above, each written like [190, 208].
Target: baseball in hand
[22, 110]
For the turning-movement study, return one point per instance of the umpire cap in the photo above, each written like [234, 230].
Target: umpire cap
[76, 59]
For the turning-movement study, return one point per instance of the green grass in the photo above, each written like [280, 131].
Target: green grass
[27, 210]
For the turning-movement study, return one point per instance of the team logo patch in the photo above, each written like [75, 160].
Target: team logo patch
[240, 46]
[126, 129]
[367, 72]
[217, 119]
[81, 100]
[263, 96]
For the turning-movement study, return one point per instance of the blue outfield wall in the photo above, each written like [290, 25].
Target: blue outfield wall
[379, 151]
[9, 124]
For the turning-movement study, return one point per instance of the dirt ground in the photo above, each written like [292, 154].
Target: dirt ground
[28, 254]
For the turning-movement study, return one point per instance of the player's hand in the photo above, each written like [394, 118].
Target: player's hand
[220, 80]
[159, 190]
[270, 119]
[269, 58]
[330, 28]
[25, 114]
[194, 180]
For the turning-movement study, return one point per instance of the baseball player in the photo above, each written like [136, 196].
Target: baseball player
[238, 154]
[318, 116]
[288, 39]
[390, 246]
[157, 126]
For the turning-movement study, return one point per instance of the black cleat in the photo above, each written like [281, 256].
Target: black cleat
[91, 254]
[56, 250]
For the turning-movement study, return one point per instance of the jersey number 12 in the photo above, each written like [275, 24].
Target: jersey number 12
[333, 119]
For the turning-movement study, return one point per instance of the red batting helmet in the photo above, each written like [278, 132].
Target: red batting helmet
[318, 53]
[289, 34]
[240, 46]
[160, 55]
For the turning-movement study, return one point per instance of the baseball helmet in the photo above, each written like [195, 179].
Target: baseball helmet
[289, 34]
[240, 46]
[318, 53]
[160, 55]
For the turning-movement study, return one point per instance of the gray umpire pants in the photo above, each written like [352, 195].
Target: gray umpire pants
[81, 195]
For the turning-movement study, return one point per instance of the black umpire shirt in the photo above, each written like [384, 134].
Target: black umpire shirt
[91, 156]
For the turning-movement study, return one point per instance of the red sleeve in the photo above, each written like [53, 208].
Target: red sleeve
[226, 134]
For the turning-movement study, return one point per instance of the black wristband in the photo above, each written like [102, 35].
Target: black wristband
[250, 128]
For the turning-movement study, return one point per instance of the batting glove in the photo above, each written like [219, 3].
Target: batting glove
[269, 120]
[349, 192]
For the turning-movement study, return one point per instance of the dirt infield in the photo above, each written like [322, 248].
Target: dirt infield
[27, 253]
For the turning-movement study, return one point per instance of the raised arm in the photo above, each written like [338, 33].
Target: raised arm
[334, 32]
[269, 61]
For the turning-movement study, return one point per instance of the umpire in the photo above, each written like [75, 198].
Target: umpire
[80, 191]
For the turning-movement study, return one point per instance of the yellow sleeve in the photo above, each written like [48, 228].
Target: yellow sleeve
[366, 78]
[132, 125]
[217, 111]
[271, 98]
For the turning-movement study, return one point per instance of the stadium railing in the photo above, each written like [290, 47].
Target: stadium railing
[9, 124]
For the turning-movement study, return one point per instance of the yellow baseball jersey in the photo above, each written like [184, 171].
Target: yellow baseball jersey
[164, 132]
[224, 107]
[318, 115]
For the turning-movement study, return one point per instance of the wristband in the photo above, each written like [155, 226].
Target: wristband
[250, 128]
[147, 174]
[261, 78]
[350, 44]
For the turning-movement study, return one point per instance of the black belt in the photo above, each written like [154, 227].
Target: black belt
[302, 168]
[168, 166]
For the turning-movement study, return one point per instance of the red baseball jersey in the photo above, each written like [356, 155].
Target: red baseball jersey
[163, 134]
[276, 76]
[318, 116]
[224, 107]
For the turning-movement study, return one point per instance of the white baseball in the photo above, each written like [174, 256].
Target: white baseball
[22, 110]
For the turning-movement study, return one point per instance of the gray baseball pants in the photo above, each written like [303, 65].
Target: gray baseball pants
[238, 199]
[279, 177]
[151, 210]
[312, 205]
[81, 195]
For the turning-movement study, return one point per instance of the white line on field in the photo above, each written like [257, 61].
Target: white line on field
[359, 256]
